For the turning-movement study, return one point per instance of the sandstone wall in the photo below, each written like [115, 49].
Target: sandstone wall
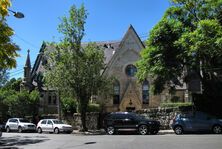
[94, 120]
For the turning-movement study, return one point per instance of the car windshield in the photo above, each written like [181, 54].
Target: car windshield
[23, 120]
[57, 122]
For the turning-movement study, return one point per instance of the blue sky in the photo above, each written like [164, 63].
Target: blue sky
[107, 20]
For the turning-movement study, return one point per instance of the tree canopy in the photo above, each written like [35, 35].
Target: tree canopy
[74, 68]
[186, 41]
[4, 4]
[8, 49]
[16, 102]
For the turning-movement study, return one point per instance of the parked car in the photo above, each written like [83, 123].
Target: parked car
[20, 125]
[127, 121]
[196, 122]
[53, 125]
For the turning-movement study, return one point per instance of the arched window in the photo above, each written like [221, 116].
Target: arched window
[116, 92]
[145, 92]
[131, 70]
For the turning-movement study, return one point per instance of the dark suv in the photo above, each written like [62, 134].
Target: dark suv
[125, 121]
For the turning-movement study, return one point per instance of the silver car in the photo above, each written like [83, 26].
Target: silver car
[19, 124]
[53, 125]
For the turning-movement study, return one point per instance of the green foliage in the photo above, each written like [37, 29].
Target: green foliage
[72, 27]
[13, 84]
[74, 69]
[93, 108]
[189, 32]
[69, 105]
[175, 104]
[4, 4]
[21, 103]
[14, 102]
[186, 43]
[8, 49]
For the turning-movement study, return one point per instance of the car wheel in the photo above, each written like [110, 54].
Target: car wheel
[143, 129]
[217, 129]
[20, 129]
[39, 130]
[7, 129]
[178, 130]
[110, 130]
[56, 130]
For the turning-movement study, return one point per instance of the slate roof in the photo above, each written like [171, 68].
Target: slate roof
[109, 47]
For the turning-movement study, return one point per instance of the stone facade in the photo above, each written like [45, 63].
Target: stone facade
[33, 79]
[94, 120]
[120, 59]
[131, 94]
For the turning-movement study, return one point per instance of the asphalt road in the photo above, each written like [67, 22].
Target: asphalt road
[73, 141]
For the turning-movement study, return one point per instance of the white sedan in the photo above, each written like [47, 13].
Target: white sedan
[53, 125]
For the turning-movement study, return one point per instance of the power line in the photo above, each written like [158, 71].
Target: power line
[25, 41]
[15, 74]
[22, 65]
[16, 71]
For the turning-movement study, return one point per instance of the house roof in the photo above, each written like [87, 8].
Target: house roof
[110, 50]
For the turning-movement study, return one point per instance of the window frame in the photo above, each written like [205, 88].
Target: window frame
[130, 70]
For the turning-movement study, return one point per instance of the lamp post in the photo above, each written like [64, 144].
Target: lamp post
[17, 14]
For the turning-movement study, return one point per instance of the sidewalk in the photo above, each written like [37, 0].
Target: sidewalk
[102, 132]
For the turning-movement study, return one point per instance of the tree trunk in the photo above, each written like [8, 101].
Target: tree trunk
[83, 118]
[83, 106]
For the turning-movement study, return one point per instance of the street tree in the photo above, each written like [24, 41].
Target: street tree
[74, 68]
[4, 4]
[187, 43]
[8, 49]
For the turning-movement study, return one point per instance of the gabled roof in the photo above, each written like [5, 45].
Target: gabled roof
[111, 49]
[38, 59]
[130, 31]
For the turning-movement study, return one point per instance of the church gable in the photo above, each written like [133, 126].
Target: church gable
[127, 52]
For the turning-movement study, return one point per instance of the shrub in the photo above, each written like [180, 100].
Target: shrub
[175, 104]
[69, 105]
[93, 108]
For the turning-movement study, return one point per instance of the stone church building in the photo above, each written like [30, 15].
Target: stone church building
[120, 58]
